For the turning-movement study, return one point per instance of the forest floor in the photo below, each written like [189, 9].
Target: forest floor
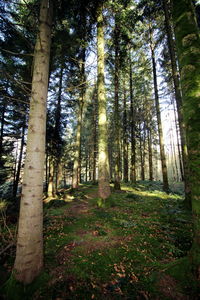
[132, 247]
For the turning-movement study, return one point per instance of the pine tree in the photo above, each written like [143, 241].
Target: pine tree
[103, 163]
[29, 255]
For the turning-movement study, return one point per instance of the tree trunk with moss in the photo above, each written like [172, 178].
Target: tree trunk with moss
[103, 164]
[29, 255]
[160, 131]
[188, 48]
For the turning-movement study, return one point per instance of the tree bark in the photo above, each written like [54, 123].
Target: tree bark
[29, 254]
[103, 164]
[188, 48]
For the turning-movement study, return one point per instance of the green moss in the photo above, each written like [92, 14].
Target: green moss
[13, 290]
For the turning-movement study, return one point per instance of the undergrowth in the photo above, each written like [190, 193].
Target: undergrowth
[129, 248]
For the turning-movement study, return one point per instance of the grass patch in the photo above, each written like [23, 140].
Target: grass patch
[115, 250]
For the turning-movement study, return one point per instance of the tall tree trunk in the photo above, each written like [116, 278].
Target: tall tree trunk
[179, 104]
[94, 156]
[125, 138]
[15, 164]
[76, 167]
[116, 112]
[46, 172]
[76, 178]
[178, 144]
[132, 110]
[188, 46]
[141, 153]
[57, 130]
[64, 175]
[173, 156]
[103, 176]
[16, 181]
[144, 151]
[58, 174]
[110, 153]
[87, 159]
[29, 254]
[150, 154]
[140, 150]
[2, 127]
[51, 187]
[160, 131]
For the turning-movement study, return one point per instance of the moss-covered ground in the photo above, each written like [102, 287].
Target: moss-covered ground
[133, 246]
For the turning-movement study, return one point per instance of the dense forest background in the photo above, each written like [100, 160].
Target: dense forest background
[102, 95]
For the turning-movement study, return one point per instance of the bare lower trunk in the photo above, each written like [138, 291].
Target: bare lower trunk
[29, 255]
